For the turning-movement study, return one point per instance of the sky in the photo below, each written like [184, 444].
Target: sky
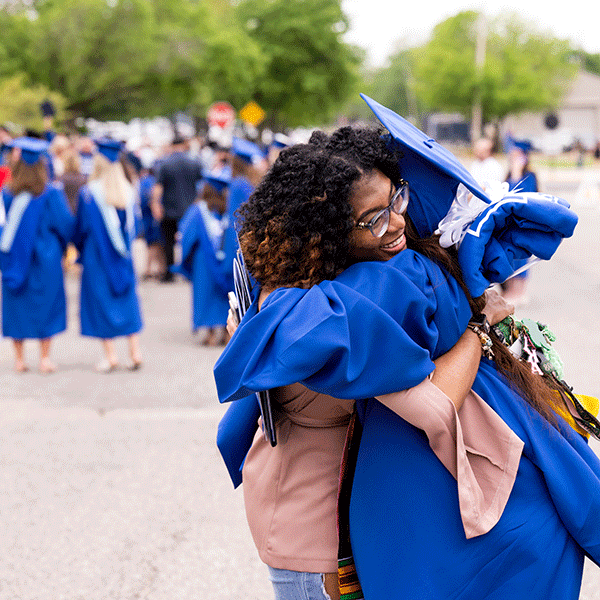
[381, 26]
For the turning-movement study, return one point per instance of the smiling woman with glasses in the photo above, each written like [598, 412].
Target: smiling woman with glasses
[378, 224]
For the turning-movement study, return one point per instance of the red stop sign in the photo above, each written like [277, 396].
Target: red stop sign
[220, 114]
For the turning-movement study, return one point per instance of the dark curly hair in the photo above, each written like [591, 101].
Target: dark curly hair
[295, 227]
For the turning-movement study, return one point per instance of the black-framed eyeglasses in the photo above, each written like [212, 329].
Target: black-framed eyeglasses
[379, 224]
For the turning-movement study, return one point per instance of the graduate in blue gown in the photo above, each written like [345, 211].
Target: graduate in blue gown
[37, 229]
[520, 177]
[104, 232]
[379, 327]
[246, 158]
[280, 141]
[203, 260]
[155, 261]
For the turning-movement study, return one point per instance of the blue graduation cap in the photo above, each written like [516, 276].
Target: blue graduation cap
[432, 172]
[248, 151]
[524, 145]
[218, 180]
[110, 149]
[31, 148]
[47, 108]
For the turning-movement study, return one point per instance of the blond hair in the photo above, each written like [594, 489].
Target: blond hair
[117, 189]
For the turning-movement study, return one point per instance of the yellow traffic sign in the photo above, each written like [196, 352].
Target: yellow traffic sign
[252, 113]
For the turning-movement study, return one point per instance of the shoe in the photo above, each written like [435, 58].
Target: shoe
[104, 366]
[134, 365]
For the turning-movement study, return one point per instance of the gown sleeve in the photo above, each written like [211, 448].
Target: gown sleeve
[333, 338]
[63, 221]
[572, 473]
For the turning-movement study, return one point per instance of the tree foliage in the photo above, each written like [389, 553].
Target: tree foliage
[393, 85]
[589, 62]
[310, 71]
[523, 69]
[123, 58]
[20, 102]
[116, 59]
[97, 54]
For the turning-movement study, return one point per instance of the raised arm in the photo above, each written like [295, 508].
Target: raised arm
[456, 369]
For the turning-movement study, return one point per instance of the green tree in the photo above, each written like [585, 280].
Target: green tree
[523, 69]
[124, 58]
[20, 102]
[14, 42]
[589, 62]
[203, 55]
[310, 70]
[233, 61]
[94, 53]
[393, 85]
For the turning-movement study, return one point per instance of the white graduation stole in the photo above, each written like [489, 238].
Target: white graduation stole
[15, 214]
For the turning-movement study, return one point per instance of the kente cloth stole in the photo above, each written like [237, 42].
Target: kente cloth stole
[349, 585]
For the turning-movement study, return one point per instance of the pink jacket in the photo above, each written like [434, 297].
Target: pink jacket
[290, 491]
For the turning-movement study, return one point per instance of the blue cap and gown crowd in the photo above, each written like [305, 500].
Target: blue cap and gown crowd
[35, 236]
[376, 329]
[208, 239]
[40, 228]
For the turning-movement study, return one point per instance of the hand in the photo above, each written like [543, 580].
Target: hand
[496, 307]
[232, 322]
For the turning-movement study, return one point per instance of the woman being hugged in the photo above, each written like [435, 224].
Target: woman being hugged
[322, 207]
[39, 225]
[103, 235]
[459, 484]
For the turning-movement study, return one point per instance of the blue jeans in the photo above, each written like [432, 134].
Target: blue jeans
[294, 585]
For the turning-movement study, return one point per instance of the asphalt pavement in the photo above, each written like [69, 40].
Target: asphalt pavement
[111, 484]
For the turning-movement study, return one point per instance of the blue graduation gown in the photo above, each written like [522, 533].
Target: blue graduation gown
[240, 189]
[109, 305]
[152, 232]
[33, 291]
[211, 275]
[376, 329]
